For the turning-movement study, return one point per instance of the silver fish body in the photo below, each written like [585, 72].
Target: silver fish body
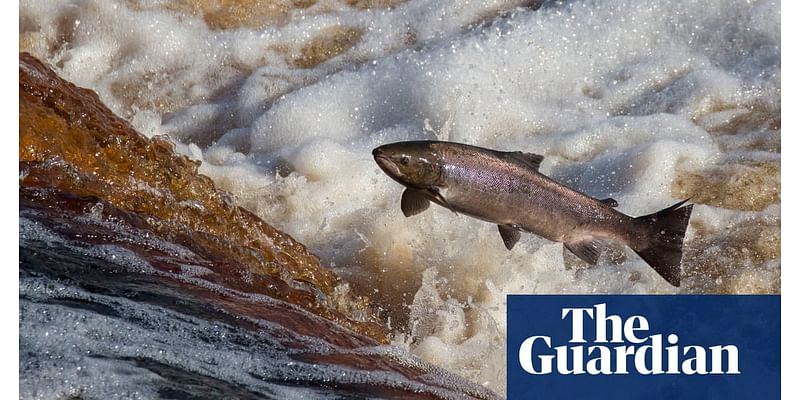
[504, 191]
[506, 188]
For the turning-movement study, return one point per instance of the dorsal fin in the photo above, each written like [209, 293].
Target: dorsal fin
[530, 159]
[609, 202]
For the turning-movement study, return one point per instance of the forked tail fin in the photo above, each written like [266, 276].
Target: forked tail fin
[662, 248]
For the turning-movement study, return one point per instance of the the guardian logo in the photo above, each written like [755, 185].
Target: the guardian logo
[633, 347]
[621, 346]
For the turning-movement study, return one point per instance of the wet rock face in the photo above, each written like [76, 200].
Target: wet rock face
[76, 155]
[117, 230]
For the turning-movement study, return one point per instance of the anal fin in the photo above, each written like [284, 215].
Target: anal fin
[413, 202]
[587, 250]
[509, 234]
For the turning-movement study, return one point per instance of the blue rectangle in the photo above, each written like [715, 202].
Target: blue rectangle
[739, 336]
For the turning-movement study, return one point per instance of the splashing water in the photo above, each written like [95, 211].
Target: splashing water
[647, 102]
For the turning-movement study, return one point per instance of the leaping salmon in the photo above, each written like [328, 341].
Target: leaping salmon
[507, 189]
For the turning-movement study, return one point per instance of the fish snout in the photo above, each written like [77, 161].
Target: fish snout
[380, 156]
[377, 152]
[385, 161]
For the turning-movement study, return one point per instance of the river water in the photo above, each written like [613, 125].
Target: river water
[648, 102]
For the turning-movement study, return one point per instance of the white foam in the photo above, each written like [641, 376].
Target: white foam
[617, 95]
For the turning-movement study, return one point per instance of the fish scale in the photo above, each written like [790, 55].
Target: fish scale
[507, 189]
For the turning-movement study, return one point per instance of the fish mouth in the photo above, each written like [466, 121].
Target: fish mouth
[385, 162]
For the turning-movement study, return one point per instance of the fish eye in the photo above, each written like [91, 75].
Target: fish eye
[404, 160]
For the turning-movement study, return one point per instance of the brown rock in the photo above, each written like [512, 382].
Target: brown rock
[73, 146]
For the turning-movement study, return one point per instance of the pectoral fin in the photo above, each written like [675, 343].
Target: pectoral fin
[439, 199]
[587, 250]
[413, 202]
[609, 202]
[509, 234]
